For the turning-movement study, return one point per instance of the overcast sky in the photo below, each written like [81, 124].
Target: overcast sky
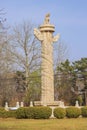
[68, 16]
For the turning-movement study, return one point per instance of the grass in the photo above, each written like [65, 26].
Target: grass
[50, 124]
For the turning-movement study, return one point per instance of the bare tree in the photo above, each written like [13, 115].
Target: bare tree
[60, 55]
[6, 89]
[25, 49]
[4, 39]
[60, 52]
[5, 55]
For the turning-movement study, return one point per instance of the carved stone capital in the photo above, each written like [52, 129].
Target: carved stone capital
[55, 38]
[38, 34]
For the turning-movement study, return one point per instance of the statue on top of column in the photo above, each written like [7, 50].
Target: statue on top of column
[47, 19]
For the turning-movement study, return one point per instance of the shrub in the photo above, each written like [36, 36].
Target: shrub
[2, 112]
[84, 111]
[30, 112]
[21, 113]
[11, 113]
[59, 113]
[42, 112]
[73, 112]
[7, 114]
[34, 112]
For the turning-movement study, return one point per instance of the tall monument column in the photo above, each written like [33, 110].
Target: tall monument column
[45, 35]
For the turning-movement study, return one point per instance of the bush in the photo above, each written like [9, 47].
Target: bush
[2, 112]
[11, 113]
[21, 113]
[42, 112]
[34, 113]
[59, 113]
[30, 112]
[7, 114]
[84, 111]
[73, 112]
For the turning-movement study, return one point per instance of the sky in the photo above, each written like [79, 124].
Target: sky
[68, 16]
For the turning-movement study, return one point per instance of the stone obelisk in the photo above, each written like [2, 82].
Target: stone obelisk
[45, 35]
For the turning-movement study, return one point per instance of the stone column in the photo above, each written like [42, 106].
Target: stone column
[45, 35]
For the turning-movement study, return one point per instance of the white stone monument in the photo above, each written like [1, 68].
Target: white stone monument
[6, 106]
[45, 35]
[77, 104]
[17, 105]
[31, 104]
[22, 104]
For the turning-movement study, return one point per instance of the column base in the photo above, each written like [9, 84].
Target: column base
[53, 103]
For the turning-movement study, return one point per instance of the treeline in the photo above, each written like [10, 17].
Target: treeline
[71, 82]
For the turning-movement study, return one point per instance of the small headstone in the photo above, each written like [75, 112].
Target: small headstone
[22, 104]
[31, 104]
[17, 104]
[77, 104]
[6, 106]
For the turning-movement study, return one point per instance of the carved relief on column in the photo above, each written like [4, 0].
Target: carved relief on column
[44, 34]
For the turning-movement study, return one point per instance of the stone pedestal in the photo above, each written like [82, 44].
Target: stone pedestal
[45, 35]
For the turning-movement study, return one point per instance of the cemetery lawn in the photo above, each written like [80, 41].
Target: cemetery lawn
[50, 124]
